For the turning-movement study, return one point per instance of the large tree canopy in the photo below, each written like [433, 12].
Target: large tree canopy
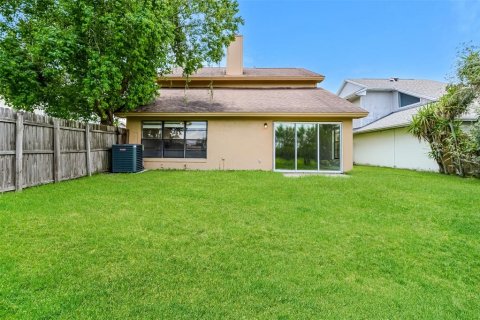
[79, 58]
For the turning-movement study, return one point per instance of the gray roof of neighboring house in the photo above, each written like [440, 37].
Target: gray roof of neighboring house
[220, 100]
[248, 72]
[424, 88]
[403, 118]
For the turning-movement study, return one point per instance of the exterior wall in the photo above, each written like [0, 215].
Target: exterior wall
[347, 145]
[357, 102]
[394, 148]
[236, 144]
[378, 104]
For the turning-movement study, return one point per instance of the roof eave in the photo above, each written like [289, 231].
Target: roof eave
[243, 78]
[245, 114]
[415, 94]
[352, 82]
[403, 125]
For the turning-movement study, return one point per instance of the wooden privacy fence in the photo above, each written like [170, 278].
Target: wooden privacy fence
[38, 149]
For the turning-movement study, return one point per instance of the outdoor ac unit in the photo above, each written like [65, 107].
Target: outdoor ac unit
[127, 158]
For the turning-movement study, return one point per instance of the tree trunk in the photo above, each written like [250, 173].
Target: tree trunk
[458, 160]
[441, 169]
[437, 155]
[109, 119]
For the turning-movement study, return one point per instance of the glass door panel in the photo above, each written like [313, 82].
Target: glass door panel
[307, 151]
[330, 147]
[284, 146]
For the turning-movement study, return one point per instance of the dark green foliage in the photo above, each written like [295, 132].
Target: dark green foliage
[75, 59]
[307, 143]
[454, 149]
[285, 136]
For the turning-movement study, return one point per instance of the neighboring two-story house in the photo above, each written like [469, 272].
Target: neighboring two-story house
[382, 138]
[381, 97]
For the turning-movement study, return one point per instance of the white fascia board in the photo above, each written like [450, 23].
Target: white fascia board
[362, 92]
[341, 87]
[359, 93]
[352, 82]
[362, 130]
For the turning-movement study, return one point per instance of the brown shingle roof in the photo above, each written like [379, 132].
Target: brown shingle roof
[235, 101]
[248, 72]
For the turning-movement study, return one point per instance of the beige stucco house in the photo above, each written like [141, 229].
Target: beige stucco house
[238, 118]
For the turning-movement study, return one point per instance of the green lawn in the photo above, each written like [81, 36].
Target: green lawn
[381, 243]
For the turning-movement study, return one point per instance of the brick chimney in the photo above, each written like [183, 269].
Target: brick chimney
[235, 57]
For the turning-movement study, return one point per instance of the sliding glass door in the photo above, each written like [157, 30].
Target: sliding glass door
[329, 152]
[307, 146]
[307, 151]
[285, 146]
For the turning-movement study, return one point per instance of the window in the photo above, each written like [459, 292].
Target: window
[196, 139]
[152, 139]
[406, 99]
[174, 139]
[307, 146]
[336, 143]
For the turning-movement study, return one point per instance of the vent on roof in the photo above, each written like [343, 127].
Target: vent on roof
[393, 79]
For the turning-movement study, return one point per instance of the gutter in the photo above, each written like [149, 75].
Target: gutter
[242, 114]
[379, 129]
[242, 78]
[403, 125]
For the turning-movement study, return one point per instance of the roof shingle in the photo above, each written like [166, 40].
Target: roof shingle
[425, 88]
[248, 72]
[249, 101]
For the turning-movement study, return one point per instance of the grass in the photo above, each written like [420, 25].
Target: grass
[289, 164]
[382, 243]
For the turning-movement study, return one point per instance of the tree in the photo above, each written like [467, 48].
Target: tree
[307, 143]
[285, 140]
[79, 58]
[455, 150]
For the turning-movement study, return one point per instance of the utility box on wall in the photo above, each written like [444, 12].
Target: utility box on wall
[127, 158]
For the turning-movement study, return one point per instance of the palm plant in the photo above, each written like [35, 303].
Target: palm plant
[438, 124]
[425, 126]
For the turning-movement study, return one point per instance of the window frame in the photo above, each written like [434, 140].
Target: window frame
[317, 123]
[400, 94]
[184, 139]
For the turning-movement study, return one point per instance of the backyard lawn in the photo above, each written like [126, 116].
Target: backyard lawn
[378, 243]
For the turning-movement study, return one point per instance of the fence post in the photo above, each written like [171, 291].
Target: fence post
[87, 147]
[19, 153]
[56, 151]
